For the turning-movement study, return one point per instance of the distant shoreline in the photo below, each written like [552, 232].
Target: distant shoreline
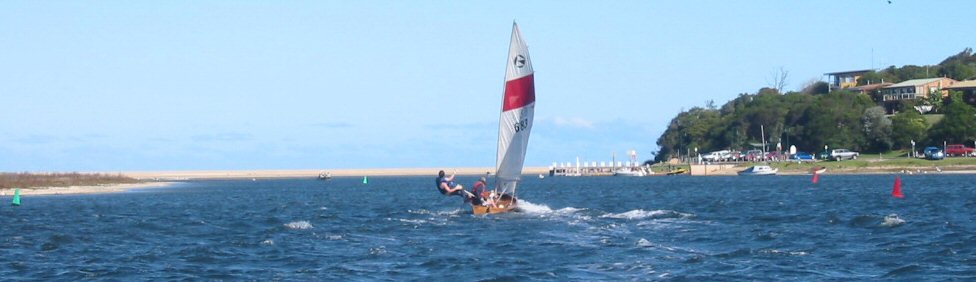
[312, 173]
[93, 189]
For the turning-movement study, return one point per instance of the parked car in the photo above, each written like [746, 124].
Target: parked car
[802, 156]
[958, 150]
[843, 154]
[755, 155]
[933, 153]
[775, 156]
[736, 156]
[717, 156]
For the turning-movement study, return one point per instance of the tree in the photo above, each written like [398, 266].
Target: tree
[958, 125]
[835, 120]
[877, 129]
[815, 87]
[690, 129]
[777, 79]
[907, 126]
[958, 71]
[873, 77]
[934, 100]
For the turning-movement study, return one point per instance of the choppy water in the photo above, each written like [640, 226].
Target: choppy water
[596, 228]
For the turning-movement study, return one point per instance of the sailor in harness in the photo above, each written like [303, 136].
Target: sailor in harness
[447, 186]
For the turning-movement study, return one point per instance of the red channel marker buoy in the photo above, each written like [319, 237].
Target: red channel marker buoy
[896, 191]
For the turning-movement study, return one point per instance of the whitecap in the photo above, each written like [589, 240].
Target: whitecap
[567, 210]
[779, 252]
[377, 251]
[642, 214]
[414, 221]
[644, 243]
[529, 207]
[268, 242]
[421, 211]
[299, 225]
[892, 220]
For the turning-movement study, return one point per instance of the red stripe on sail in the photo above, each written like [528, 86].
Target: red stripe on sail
[519, 92]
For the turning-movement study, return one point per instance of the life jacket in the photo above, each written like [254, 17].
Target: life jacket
[437, 184]
[478, 188]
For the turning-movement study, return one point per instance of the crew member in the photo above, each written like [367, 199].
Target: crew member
[447, 186]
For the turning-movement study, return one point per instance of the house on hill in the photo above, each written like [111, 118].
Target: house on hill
[968, 89]
[844, 79]
[893, 94]
[872, 90]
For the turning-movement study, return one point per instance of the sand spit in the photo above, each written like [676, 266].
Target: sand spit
[96, 189]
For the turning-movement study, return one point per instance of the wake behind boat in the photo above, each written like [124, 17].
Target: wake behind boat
[759, 170]
[514, 125]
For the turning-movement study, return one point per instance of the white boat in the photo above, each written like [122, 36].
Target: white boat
[325, 175]
[632, 171]
[818, 170]
[514, 125]
[759, 170]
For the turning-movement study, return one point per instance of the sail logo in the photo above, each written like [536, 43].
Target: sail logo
[522, 125]
[519, 61]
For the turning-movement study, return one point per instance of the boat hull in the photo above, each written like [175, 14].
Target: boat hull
[756, 174]
[759, 170]
[677, 171]
[504, 204]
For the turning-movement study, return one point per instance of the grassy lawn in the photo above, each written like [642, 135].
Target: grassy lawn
[884, 156]
[933, 118]
[886, 162]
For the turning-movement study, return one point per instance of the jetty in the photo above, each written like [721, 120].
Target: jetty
[587, 168]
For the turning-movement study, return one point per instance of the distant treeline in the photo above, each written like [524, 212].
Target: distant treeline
[31, 180]
[813, 118]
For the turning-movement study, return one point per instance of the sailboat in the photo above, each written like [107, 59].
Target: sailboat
[514, 125]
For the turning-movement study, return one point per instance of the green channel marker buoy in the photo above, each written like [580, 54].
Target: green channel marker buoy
[364, 180]
[16, 201]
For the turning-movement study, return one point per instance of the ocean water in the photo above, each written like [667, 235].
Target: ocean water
[590, 228]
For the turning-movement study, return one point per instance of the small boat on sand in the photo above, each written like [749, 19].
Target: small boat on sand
[759, 170]
[818, 170]
[677, 171]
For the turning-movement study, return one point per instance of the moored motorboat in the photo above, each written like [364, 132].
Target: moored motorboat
[759, 170]
[632, 171]
[325, 175]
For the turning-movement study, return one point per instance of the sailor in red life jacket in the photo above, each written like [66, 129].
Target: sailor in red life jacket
[482, 196]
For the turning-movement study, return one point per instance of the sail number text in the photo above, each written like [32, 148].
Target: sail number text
[522, 125]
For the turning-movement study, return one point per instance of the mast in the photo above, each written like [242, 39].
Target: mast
[515, 121]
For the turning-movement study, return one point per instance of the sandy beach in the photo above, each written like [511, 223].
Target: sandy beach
[97, 189]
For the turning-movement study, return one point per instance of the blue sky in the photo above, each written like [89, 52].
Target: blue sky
[177, 85]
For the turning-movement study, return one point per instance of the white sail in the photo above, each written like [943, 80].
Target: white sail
[515, 123]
